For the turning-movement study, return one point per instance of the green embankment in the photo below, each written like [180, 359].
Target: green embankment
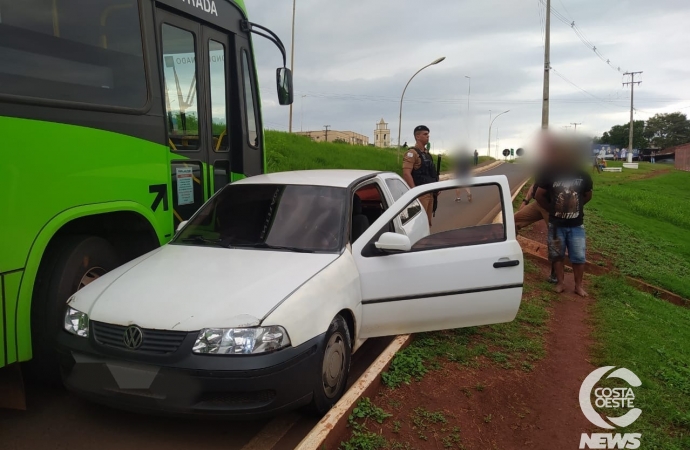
[652, 338]
[640, 221]
[293, 152]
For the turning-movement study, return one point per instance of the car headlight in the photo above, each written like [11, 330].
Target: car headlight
[240, 341]
[76, 322]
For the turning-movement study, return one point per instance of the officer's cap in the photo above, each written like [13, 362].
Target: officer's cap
[420, 128]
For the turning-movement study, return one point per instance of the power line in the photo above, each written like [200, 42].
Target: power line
[580, 34]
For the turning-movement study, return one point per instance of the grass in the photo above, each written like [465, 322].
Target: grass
[515, 344]
[641, 224]
[285, 151]
[422, 422]
[651, 338]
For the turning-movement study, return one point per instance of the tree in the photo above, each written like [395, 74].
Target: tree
[619, 135]
[667, 130]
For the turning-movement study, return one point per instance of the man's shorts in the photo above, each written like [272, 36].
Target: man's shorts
[572, 238]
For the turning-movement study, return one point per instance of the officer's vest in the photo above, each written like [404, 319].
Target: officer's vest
[427, 172]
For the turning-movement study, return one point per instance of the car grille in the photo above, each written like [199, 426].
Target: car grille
[155, 341]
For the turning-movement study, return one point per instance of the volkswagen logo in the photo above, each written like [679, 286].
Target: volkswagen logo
[134, 337]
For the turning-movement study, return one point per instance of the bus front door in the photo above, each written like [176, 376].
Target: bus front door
[196, 76]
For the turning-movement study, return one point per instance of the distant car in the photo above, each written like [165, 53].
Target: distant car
[258, 301]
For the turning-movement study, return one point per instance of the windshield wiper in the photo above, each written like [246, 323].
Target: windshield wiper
[274, 247]
[202, 240]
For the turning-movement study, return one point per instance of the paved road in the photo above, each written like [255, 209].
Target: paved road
[485, 201]
[57, 420]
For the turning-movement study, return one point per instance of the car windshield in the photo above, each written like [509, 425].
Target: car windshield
[270, 216]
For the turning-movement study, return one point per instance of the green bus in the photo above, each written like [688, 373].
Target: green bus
[118, 119]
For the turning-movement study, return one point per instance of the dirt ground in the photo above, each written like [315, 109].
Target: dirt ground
[492, 407]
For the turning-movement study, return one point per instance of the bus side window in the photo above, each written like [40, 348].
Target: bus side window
[219, 110]
[179, 64]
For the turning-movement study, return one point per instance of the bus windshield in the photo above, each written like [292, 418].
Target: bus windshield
[85, 52]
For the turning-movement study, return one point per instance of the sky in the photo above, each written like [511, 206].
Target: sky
[352, 60]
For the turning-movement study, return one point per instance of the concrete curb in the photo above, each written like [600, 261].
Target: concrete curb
[499, 217]
[537, 252]
[335, 421]
[322, 436]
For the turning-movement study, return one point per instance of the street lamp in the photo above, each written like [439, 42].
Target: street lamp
[488, 148]
[403, 95]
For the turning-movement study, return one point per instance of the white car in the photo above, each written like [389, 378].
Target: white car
[257, 303]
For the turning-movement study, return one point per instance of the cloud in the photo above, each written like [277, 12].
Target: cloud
[353, 59]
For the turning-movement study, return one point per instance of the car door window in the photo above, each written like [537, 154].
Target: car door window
[465, 224]
[398, 188]
[368, 203]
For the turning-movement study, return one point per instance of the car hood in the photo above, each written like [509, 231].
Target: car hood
[187, 288]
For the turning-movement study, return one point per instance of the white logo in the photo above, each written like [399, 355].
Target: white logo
[208, 6]
[610, 398]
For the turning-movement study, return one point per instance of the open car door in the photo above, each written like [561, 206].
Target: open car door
[468, 271]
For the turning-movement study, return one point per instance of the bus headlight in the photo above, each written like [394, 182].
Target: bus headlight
[240, 341]
[76, 322]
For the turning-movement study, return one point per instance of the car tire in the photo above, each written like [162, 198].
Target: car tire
[69, 264]
[333, 367]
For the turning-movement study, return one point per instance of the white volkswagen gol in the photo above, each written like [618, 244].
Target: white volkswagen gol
[258, 301]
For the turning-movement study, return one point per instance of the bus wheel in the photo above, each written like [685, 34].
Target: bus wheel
[69, 264]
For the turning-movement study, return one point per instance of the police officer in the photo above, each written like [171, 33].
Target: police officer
[418, 167]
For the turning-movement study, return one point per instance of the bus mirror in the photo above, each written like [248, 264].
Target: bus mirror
[284, 82]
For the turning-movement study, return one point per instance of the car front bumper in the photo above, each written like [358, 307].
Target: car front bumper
[186, 384]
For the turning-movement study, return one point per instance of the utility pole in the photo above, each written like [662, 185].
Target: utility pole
[292, 56]
[632, 89]
[547, 67]
[566, 126]
[576, 124]
[327, 127]
[301, 112]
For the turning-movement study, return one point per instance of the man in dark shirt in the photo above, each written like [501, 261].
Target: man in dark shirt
[563, 192]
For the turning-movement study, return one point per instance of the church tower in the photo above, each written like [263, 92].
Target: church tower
[382, 135]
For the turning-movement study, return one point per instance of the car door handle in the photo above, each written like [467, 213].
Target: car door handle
[506, 263]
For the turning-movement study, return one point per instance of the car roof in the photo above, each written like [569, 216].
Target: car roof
[318, 177]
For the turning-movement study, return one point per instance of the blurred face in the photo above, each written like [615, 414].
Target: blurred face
[422, 138]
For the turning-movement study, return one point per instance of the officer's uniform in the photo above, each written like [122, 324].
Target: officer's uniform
[423, 172]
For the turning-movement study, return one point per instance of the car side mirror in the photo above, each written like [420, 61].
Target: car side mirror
[394, 242]
[284, 84]
[179, 227]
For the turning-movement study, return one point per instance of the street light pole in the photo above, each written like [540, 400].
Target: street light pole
[403, 95]
[292, 55]
[492, 122]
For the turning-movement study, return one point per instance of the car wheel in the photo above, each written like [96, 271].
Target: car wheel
[70, 263]
[334, 366]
